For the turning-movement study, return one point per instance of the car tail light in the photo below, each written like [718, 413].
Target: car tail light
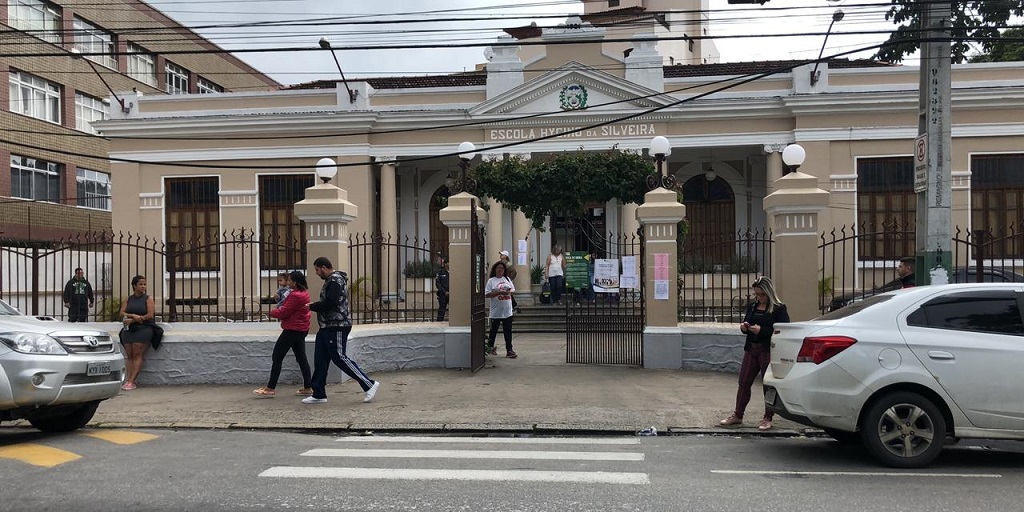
[819, 349]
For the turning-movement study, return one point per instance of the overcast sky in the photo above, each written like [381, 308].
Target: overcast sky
[333, 19]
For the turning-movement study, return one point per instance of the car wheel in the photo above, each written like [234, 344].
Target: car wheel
[65, 420]
[903, 430]
[843, 436]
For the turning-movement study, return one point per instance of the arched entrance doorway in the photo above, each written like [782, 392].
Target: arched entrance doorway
[711, 216]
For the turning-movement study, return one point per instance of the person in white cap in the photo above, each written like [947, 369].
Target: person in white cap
[510, 272]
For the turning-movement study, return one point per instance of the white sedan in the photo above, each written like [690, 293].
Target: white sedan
[903, 371]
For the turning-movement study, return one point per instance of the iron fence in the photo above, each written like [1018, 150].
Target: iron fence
[392, 279]
[716, 271]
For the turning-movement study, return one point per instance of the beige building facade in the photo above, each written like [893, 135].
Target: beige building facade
[239, 160]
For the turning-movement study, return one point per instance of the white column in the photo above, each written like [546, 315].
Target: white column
[389, 224]
[493, 241]
[521, 231]
[774, 166]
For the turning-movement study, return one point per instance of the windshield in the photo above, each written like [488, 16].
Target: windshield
[856, 307]
[6, 310]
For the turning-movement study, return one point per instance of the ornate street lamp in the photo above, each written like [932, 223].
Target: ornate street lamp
[462, 182]
[326, 169]
[793, 156]
[660, 149]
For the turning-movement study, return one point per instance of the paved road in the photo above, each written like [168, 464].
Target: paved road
[165, 470]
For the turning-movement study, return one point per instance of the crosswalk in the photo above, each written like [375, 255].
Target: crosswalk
[356, 458]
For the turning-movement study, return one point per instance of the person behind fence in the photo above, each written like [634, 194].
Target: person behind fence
[282, 288]
[334, 318]
[78, 297]
[905, 272]
[554, 272]
[499, 289]
[758, 324]
[139, 331]
[294, 316]
[441, 284]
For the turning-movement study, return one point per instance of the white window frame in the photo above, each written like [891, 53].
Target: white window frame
[39, 18]
[141, 65]
[35, 97]
[175, 75]
[92, 39]
[51, 172]
[87, 110]
[205, 86]
[93, 187]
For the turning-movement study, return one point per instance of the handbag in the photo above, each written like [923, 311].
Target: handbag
[545, 293]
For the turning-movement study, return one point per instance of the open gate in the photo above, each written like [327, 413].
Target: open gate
[477, 302]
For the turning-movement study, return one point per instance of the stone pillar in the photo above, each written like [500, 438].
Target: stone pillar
[327, 213]
[774, 167]
[457, 216]
[521, 231]
[389, 225]
[659, 216]
[494, 241]
[794, 209]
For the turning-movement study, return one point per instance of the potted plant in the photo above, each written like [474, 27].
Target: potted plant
[421, 269]
[536, 278]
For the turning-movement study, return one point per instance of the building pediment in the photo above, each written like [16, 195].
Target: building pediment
[572, 87]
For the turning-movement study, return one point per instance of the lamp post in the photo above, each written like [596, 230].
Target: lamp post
[326, 169]
[660, 149]
[462, 182]
[793, 156]
[836, 17]
[326, 45]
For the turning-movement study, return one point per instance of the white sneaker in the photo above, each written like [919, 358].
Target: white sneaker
[311, 400]
[372, 392]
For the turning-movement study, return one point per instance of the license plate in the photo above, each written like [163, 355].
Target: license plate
[94, 369]
[769, 396]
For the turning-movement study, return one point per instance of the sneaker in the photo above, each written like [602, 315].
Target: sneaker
[372, 392]
[313, 400]
[765, 424]
[731, 421]
[511, 355]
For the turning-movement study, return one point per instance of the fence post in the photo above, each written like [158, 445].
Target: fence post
[458, 218]
[172, 279]
[35, 280]
[659, 217]
[794, 209]
[979, 255]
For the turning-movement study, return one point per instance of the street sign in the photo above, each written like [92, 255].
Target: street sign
[921, 163]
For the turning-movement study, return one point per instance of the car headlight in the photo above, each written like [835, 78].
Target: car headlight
[31, 343]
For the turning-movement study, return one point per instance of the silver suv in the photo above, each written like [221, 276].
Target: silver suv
[54, 374]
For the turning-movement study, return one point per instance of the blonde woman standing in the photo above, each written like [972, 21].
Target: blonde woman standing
[758, 324]
[554, 271]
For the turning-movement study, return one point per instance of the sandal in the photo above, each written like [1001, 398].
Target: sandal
[304, 392]
[766, 424]
[264, 392]
[731, 421]
[128, 386]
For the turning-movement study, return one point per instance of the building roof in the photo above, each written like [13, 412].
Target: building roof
[745, 68]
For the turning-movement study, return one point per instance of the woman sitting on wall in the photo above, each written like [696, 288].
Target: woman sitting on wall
[137, 313]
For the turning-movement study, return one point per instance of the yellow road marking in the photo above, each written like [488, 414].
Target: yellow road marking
[120, 436]
[37, 454]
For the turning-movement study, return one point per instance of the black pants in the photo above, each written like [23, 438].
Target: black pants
[557, 288]
[294, 341]
[442, 306]
[331, 345]
[506, 324]
[78, 312]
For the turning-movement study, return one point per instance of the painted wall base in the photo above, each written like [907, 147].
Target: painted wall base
[663, 348]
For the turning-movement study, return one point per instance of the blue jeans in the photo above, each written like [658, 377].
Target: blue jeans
[331, 343]
[557, 287]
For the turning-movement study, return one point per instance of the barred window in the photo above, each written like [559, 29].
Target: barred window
[35, 97]
[141, 64]
[92, 39]
[87, 110]
[997, 203]
[41, 19]
[887, 207]
[32, 178]
[280, 230]
[193, 221]
[177, 79]
[93, 189]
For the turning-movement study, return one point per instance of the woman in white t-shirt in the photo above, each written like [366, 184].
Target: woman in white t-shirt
[554, 270]
[499, 289]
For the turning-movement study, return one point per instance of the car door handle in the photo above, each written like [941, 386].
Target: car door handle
[938, 354]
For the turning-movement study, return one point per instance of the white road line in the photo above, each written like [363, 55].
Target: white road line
[475, 454]
[857, 473]
[490, 440]
[594, 477]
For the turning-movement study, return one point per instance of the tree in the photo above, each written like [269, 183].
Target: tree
[1010, 49]
[973, 21]
[565, 183]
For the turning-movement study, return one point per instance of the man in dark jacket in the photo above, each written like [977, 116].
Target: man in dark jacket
[332, 314]
[441, 283]
[78, 297]
[905, 272]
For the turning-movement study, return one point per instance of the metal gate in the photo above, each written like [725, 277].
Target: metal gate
[477, 303]
[604, 323]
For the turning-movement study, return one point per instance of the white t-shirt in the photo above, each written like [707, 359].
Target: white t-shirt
[555, 268]
[501, 305]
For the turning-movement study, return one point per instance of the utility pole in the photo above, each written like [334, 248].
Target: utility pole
[932, 173]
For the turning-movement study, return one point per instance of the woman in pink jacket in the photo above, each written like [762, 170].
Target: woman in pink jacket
[294, 316]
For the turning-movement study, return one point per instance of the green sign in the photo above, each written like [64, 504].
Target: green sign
[576, 275]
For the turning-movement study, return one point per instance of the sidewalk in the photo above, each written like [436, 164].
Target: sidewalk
[536, 393]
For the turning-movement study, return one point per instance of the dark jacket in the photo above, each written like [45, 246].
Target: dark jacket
[767, 322]
[907, 281]
[78, 291]
[332, 309]
[441, 281]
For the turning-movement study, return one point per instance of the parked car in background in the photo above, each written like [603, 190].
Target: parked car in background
[960, 275]
[54, 374]
[904, 371]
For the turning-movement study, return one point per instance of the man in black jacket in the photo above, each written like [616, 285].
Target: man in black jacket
[441, 283]
[78, 297]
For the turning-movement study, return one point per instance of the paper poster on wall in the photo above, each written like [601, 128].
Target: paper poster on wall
[661, 266]
[630, 282]
[660, 289]
[606, 276]
[629, 266]
[521, 259]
